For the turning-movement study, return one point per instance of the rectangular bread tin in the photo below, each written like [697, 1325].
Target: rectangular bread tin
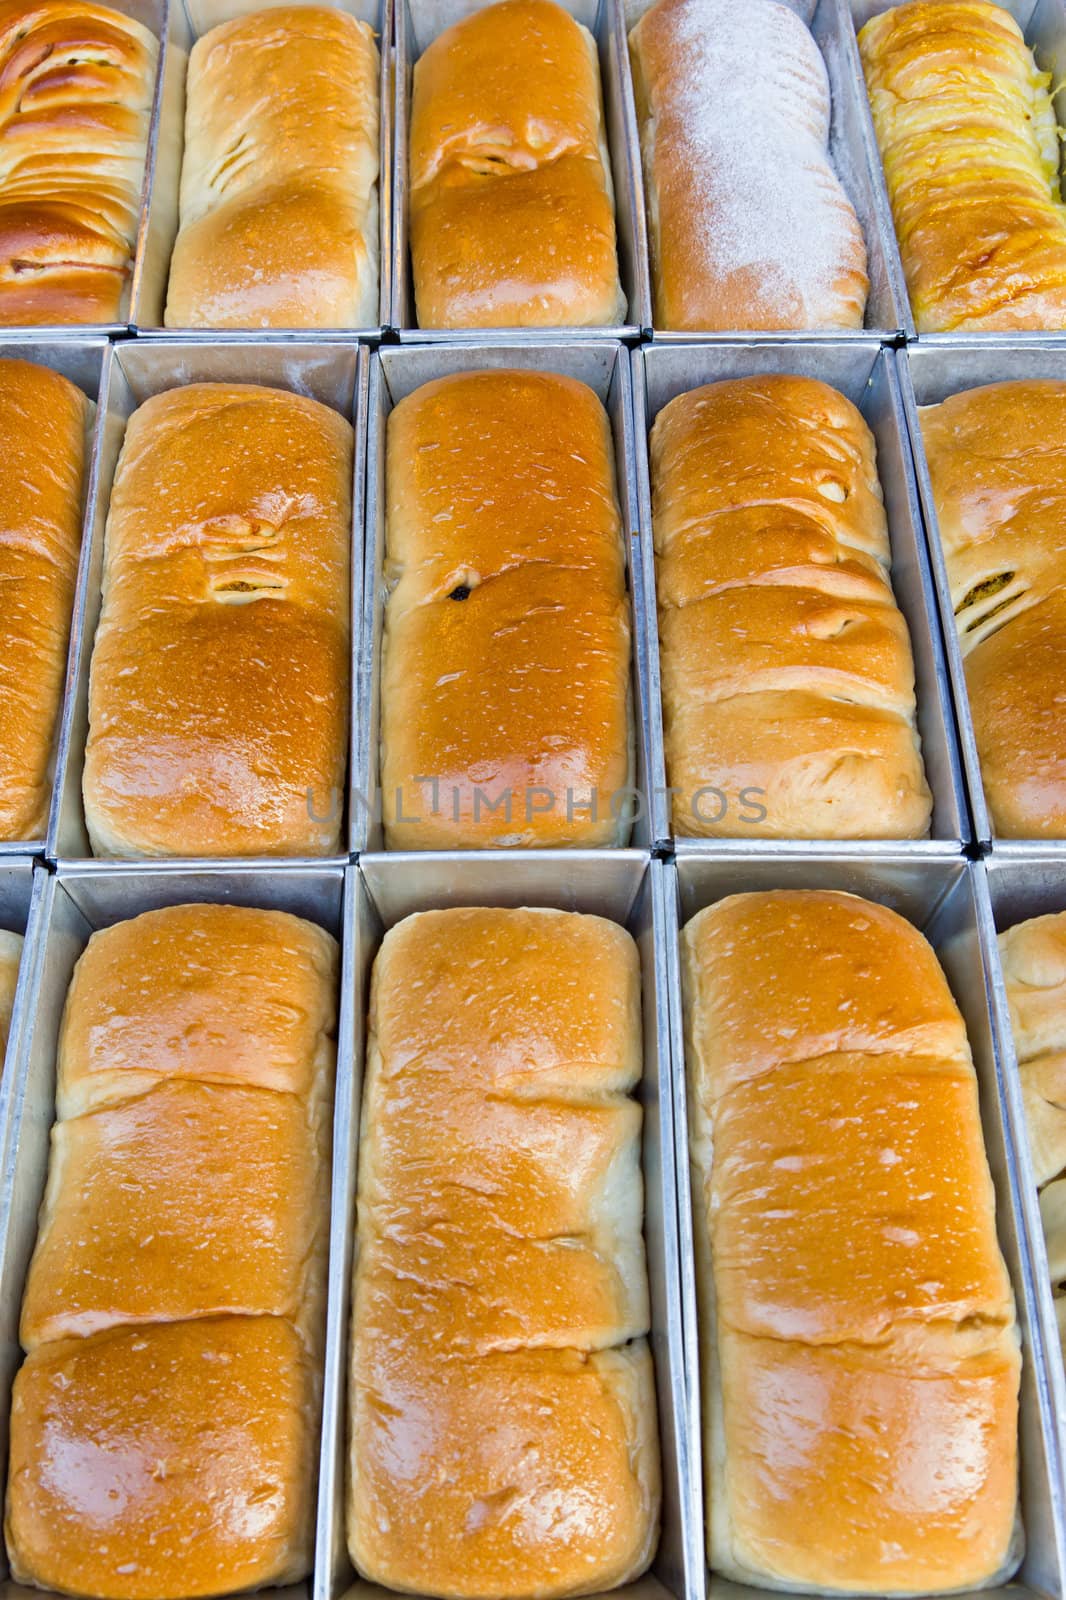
[867, 377]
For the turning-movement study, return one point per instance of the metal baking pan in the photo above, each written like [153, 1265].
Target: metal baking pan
[334, 373]
[188, 20]
[941, 898]
[1043, 23]
[396, 372]
[388, 889]
[867, 376]
[887, 311]
[68, 907]
[927, 374]
[138, 298]
[1008, 892]
[418, 22]
[82, 361]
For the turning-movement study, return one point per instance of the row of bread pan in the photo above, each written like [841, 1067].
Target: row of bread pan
[364, 385]
[947, 899]
[405, 31]
[412, 25]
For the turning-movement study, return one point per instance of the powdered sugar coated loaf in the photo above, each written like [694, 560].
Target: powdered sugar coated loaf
[750, 226]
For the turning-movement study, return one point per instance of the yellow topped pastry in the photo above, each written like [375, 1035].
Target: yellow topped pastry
[971, 155]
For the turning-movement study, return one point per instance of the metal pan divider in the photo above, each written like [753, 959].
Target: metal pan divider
[603, 21]
[866, 375]
[336, 373]
[941, 898]
[330, 1551]
[398, 370]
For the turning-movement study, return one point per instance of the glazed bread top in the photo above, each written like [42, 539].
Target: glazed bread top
[76, 86]
[43, 428]
[164, 1425]
[787, 677]
[219, 689]
[279, 211]
[512, 211]
[749, 224]
[849, 1272]
[971, 156]
[997, 461]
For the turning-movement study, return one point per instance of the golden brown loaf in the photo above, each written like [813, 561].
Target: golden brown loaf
[218, 701]
[76, 85]
[10, 956]
[1033, 957]
[971, 156]
[511, 201]
[749, 226]
[505, 703]
[164, 1425]
[279, 208]
[43, 426]
[787, 679]
[500, 1300]
[857, 1320]
[997, 460]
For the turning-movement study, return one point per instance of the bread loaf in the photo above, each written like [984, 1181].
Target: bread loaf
[43, 425]
[749, 226]
[859, 1354]
[970, 148]
[997, 461]
[1033, 957]
[279, 208]
[218, 699]
[76, 99]
[164, 1425]
[787, 679]
[505, 706]
[511, 200]
[500, 1300]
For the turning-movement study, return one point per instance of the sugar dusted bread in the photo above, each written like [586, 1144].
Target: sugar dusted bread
[749, 225]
